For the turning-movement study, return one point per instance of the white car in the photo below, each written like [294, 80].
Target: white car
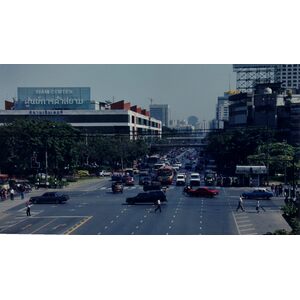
[104, 173]
[195, 176]
[180, 179]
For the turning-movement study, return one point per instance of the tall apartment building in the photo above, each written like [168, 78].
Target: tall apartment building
[160, 112]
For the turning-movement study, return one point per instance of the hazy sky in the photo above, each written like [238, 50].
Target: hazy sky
[188, 89]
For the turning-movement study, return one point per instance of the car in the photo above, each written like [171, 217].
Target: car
[150, 197]
[180, 179]
[104, 173]
[195, 176]
[154, 185]
[50, 197]
[116, 177]
[129, 181]
[195, 182]
[201, 192]
[143, 180]
[117, 187]
[258, 194]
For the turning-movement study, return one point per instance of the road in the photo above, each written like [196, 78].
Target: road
[94, 210]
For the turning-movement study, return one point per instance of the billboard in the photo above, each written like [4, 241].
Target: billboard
[53, 98]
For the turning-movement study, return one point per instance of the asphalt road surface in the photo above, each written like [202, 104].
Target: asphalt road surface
[94, 210]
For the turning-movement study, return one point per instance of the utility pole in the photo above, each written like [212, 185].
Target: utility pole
[86, 144]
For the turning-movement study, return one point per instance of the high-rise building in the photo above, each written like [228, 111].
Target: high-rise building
[290, 76]
[160, 112]
[249, 75]
[222, 109]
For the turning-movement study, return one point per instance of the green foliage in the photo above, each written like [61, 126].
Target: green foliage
[295, 224]
[279, 156]
[67, 148]
[290, 209]
[232, 147]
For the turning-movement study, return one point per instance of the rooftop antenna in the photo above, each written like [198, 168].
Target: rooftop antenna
[113, 99]
[151, 100]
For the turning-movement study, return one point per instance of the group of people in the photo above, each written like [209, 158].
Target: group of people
[4, 193]
[11, 192]
[241, 205]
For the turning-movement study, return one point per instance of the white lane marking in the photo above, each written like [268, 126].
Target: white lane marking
[170, 227]
[245, 225]
[43, 226]
[59, 225]
[11, 222]
[242, 217]
[237, 227]
[72, 209]
[141, 221]
[201, 216]
[247, 229]
[200, 222]
[137, 227]
[117, 217]
[27, 226]
[99, 233]
[172, 221]
[132, 232]
[174, 216]
[103, 188]
[105, 227]
[111, 221]
[200, 228]
[243, 221]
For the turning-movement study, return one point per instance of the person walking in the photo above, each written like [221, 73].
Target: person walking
[28, 206]
[22, 191]
[158, 207]
[12, 194]
[258, 207]
[240, 204]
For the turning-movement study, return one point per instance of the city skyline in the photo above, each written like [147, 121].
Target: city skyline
[187, 89]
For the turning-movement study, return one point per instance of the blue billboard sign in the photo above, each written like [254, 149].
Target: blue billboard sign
[53, 98]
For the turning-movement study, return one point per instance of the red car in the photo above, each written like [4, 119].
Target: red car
[201, 192]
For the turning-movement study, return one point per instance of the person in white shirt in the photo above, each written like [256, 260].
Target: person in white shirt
[158, 207]
[240, 204]
[12, 194]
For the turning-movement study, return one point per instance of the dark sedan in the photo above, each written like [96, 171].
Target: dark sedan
[258, 194]
[50, 197]
[150, 197]
[201, 192]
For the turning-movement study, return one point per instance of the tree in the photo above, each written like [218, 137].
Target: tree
[279, 156]
[232, 147]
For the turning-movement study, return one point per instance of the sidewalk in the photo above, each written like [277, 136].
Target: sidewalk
[8, 204]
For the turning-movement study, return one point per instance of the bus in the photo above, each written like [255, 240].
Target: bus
[165, 175]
